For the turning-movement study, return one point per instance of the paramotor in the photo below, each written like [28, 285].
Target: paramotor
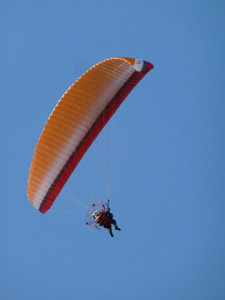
[95, 215]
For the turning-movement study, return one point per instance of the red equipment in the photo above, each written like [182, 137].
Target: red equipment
[95, 215]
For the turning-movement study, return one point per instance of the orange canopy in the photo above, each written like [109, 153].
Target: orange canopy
[76, 121]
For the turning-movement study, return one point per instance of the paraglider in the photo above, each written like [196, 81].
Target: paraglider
[98, 216]
[76, 121]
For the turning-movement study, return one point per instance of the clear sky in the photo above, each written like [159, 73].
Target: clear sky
[168, 195]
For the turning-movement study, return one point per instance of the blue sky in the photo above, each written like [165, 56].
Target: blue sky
[168, 193]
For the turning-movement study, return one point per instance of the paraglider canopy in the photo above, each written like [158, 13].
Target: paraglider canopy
[76, 121]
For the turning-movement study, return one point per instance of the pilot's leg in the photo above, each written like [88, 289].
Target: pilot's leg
[115, 224]
[110, 231]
